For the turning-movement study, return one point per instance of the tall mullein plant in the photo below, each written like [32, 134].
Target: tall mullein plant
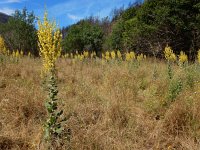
[49, 39]
[170, 57]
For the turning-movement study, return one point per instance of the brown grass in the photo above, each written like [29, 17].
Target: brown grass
[112, 106]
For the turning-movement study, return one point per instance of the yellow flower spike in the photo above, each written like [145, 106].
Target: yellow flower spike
[17, 54]
[107, 56]
[183, 57]
[119, 55]
[169, 54]
[49, 42]
[140, 57]
[107, 53]
[132, 55]
[128, 56]
[113, 54]
[81, 57]
[2, 46]
[86, 54]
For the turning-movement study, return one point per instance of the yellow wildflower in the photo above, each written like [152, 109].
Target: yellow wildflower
[119, 55]
[128, 56]
[17, 54]
[80, 57]
[49, 38]
[169, 54]
[86, 54]
[113, 54]
[140, 57]
[183, 57]
[107, 56]
[132, 55]
[2, 46]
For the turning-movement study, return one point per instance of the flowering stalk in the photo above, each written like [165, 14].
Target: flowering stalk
[50, 49]
[49, 43]
[170, 57]
[183, 59]
[2, 46]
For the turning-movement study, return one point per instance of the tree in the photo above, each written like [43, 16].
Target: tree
[20, 32]
[84, 36]
[170, 22]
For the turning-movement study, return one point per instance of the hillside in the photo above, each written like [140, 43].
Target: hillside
[3, 17]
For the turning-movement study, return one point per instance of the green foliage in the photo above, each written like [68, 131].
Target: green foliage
[83, 35]
[169, 70]
[169, 22]
[175, 88]
[143, 27]
[53, 126]
[20, 32]
[117, 35]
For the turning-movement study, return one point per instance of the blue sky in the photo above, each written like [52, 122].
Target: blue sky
[65, 12]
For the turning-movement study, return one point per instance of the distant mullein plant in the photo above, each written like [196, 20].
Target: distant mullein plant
[2, 46]
[183, 59]
[119, 55]
[113, 55]
[2, 49]
[50, 49]
[170, 57]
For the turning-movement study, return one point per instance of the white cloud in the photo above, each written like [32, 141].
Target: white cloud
[73, 17]
[7, 10]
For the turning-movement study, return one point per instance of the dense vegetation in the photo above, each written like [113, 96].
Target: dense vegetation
[20, 32]
[144, 27]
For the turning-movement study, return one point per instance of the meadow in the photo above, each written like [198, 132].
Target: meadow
[117, 104]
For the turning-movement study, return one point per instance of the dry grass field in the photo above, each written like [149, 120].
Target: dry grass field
[110, 106]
